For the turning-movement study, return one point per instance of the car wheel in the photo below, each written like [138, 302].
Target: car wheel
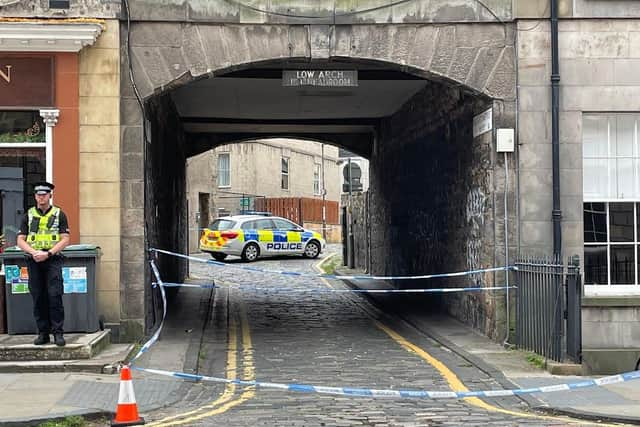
[312, 250]
[218, 256]
[250, 252]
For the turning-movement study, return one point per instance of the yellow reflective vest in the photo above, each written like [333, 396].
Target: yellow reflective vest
[44, 230]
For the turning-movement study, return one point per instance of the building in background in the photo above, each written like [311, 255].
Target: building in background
[242, 177]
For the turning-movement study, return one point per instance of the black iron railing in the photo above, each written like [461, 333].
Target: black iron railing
[548, 307]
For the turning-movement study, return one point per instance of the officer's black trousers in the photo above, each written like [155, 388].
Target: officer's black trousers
[45, 285]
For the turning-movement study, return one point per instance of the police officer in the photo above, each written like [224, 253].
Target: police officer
[43, 234]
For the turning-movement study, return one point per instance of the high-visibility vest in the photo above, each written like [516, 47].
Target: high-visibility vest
[44, 230]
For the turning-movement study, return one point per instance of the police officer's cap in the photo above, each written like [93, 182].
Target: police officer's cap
[43, 187]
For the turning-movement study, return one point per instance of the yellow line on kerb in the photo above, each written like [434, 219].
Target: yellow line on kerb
[454, 382]
[224, 402]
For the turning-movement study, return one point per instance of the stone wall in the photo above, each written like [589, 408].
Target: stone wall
[99, 195]
[166, 200]
[610, 339]
[599, 59]
[324, 12]
[77, 9]
[433, 199]
[596, 62]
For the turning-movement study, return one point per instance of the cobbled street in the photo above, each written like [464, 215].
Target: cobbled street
[283, 329]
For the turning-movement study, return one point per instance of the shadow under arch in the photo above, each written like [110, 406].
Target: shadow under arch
[411, 190]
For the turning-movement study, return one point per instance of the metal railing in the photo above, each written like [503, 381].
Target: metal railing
[548, 320]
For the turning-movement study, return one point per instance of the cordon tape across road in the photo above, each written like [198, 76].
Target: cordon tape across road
[390, 393]
[285, 289]
[361, 392]
[332, 276]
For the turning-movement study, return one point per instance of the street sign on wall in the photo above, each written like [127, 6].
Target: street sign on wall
[483, 122]
[321, 78]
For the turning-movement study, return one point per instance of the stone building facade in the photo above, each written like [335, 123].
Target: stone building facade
[436, 186]
[80, 126]
[599, 55]
[228, 179]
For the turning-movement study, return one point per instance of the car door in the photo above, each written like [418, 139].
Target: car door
[290, 234]
[265, 229]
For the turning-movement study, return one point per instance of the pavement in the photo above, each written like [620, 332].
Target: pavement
[618, 403]
[30, 398]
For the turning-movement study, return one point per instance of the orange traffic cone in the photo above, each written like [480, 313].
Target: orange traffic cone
[127, 411]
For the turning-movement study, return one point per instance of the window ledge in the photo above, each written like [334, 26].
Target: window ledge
[610, 301]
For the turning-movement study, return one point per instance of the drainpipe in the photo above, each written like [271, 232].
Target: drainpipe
[555, 130]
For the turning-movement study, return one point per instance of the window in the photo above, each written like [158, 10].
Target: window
[611, 171]
[282, 224]
[611, 238]
[264, 224]
[611, 159]
[23, 162]
[21, 126]
[316, 179]
[222, 224]
[284, 181]
[224, 170]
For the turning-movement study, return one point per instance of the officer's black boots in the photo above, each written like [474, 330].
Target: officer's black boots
[42, 339]
[59, 340]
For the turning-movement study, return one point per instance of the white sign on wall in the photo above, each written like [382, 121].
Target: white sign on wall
[483, 122]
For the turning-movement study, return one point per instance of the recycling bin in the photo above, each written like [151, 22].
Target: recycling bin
[79, 273]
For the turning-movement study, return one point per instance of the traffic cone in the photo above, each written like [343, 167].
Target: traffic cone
[127, 411]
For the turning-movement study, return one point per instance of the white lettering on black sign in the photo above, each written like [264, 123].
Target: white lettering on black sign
[324, 78]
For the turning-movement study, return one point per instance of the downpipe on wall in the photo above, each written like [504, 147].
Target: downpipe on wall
[506, 246]
[555, 131]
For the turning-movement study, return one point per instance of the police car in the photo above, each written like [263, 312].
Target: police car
[253, 236]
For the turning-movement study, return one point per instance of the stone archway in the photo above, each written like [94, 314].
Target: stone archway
[473, 60]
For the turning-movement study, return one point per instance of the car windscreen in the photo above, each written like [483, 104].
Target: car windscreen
[222, 224]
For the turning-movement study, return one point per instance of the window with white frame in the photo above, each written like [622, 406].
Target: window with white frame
[23, 162]
[224, 170]
[284, 181]
[316, 179]
[611, 170]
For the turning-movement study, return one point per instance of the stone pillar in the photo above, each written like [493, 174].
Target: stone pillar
[50, 118]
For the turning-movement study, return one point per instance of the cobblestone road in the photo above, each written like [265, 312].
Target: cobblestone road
[326, 339]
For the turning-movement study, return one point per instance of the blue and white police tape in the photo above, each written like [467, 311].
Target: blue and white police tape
[185, 285]
[331, 290]
[156, 334]
[332, 276]
[363, 392]
[391, 393]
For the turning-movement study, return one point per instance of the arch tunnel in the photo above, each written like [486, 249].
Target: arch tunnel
[431, 195]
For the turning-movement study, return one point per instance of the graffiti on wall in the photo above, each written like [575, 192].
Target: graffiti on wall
[476, 203]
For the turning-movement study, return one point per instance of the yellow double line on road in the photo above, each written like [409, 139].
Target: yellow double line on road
[226, 400]
[454, 382]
